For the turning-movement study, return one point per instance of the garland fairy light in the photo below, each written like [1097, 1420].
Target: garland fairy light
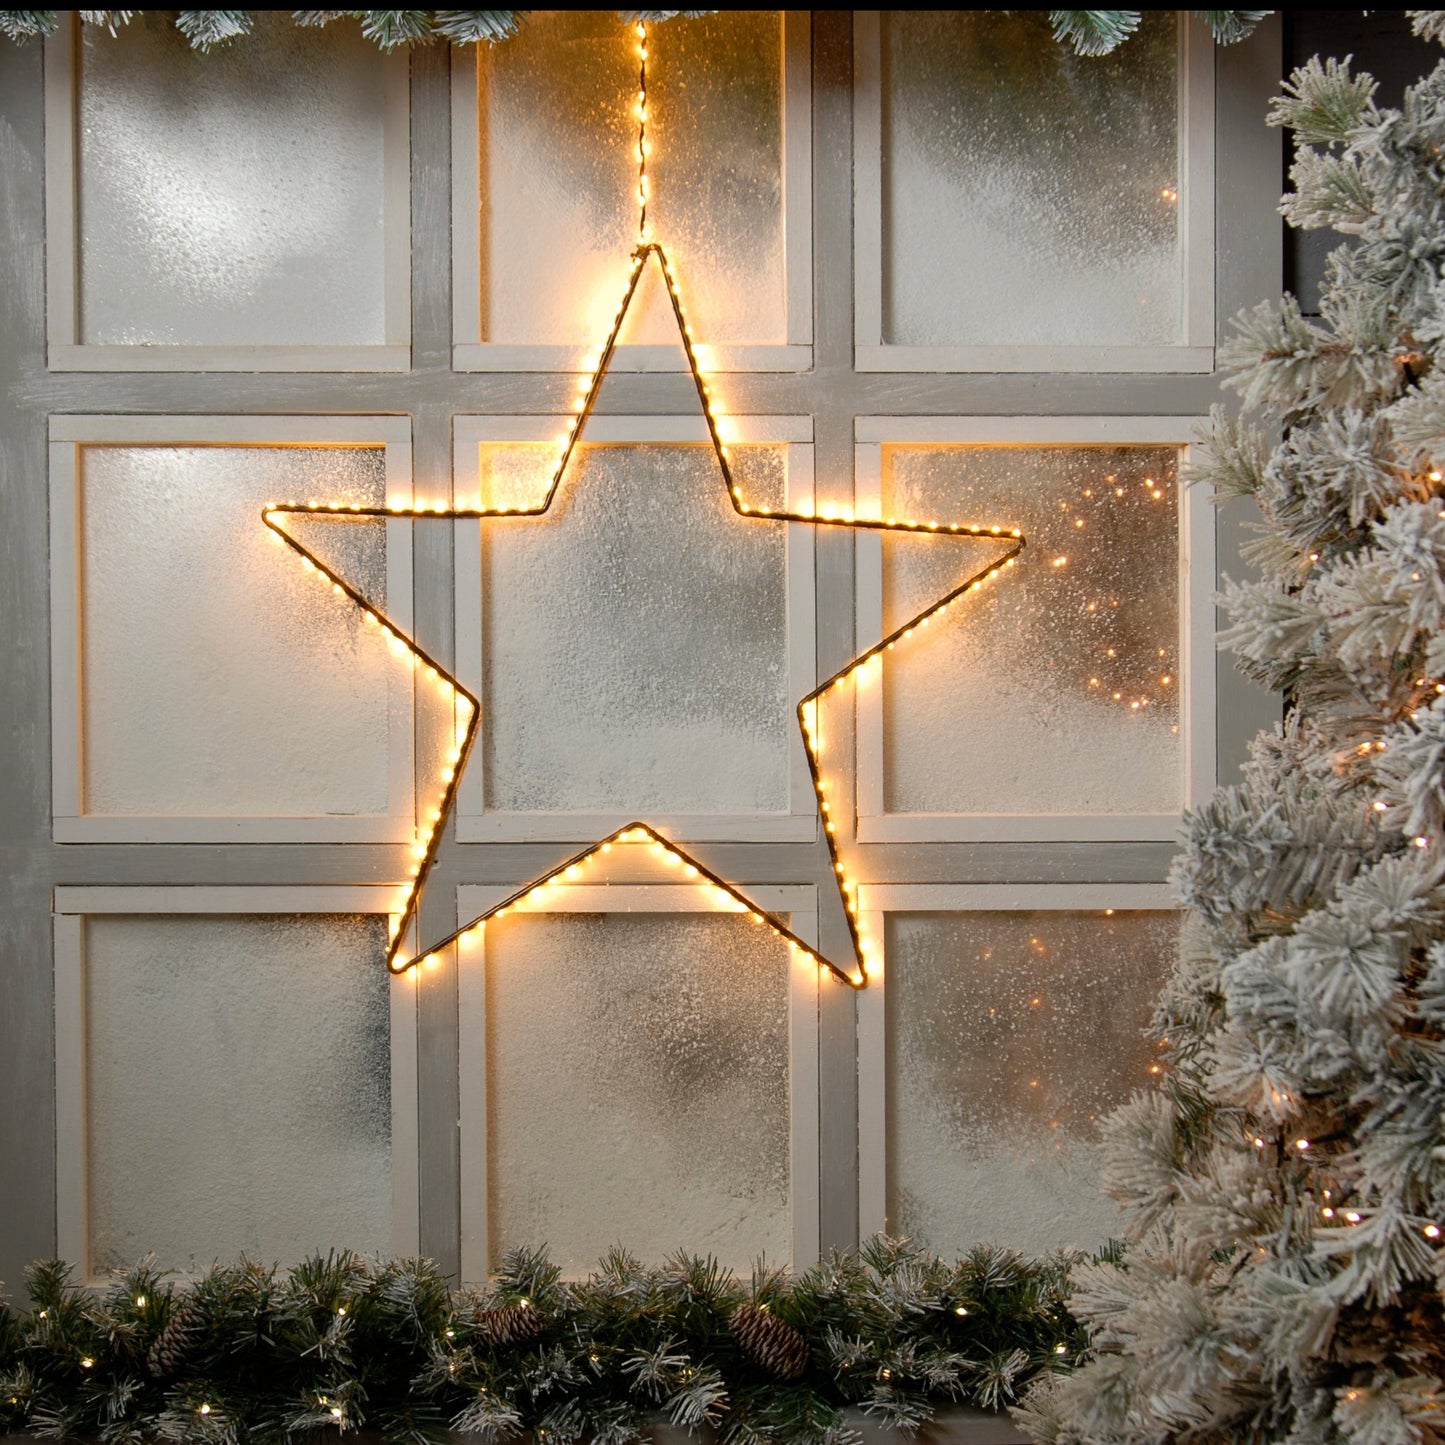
[864, 667]
[248, 1353]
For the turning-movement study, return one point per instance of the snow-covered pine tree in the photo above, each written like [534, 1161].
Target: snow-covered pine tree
[1285, 1190]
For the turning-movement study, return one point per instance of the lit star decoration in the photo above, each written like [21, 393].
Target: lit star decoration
[467, 706]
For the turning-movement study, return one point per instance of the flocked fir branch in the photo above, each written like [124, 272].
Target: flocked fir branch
[110, 21]
[1087, 32]
[342, 1342]
[1285, 1189]
[1099, 32]
[208, 28]
[1094, 32]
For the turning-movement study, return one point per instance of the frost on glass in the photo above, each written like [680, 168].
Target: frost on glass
[1030, 195]
[558, 126]
[218, 677]
[232, 198]
[1009, 1037]
[1055, 688]
[238, 1087]
[637, 1087]
[632, 632]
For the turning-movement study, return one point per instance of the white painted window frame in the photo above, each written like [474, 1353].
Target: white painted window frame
[875, 900]
[1196, 628]
[799, 824]
[66, 351]
[798, 900]
[1196, 235]
[73, 905]
[470, 352]
[68, 435]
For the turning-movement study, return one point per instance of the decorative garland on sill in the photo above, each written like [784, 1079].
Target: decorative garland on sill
[1087, 32]
[342, 1342]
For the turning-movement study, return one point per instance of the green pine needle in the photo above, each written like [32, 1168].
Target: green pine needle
[206, 29]
[23, 24]
[1229, 27]
[111, 21]
[468, 27]
[393, 28]
[346, 1342]
[1093, 32]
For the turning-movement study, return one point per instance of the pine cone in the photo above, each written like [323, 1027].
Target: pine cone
[510, 1325]
[770, 1342]
[169, 1350]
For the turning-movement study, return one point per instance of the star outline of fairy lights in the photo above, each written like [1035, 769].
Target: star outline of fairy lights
[807, 709]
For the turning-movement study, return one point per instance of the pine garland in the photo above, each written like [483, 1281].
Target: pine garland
[341, 1342]
[1087, 32]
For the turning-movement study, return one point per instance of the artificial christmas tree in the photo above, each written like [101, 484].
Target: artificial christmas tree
[1285, 1189]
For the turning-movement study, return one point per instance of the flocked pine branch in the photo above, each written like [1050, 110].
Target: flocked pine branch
[1285, 1189]
[392, 28]
[111, 21]
[1094, 32]
[24, 24]
[1088, 32]
[1100, 32]
[208, 28]
[1229, 27]
[1428, 24]
[466, 27]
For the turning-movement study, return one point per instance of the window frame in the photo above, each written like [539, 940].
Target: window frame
[875, 901]
[68, 435]
[475, 824]
[1246, 265]
[1196, 235]
[65, 349]
[804, 986]
[74, 905]
[472, 352]
[1196, 627]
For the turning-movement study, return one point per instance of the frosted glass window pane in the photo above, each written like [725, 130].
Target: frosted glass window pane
[1010, 1035]
[233, 198]
[238, 1087]
[218, 678]
[1030, 196]
[635, 630]
[1054, 689]
[559, 177]
[637, 1086]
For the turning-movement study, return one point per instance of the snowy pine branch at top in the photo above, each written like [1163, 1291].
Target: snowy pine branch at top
[207, 28]
[341, 1342]
[1099, 32]
[1284, 1190]
[1087, 32]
